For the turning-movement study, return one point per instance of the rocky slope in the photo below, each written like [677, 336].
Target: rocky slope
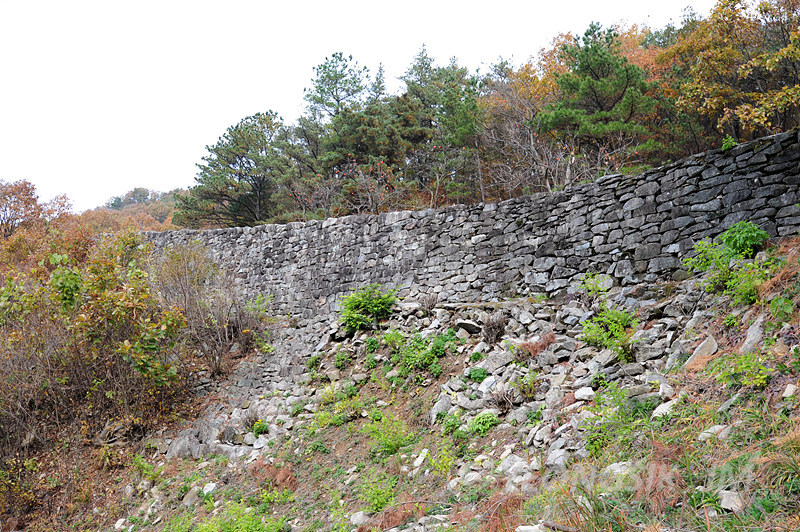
[495, 416]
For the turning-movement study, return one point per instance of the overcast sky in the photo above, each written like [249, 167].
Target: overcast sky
[100, 96]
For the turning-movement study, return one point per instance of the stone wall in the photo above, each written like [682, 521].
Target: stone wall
[631, 227]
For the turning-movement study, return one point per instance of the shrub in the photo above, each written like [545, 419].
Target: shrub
[388, 435]
[745, 370]
[236, 518]
[611, 329]
[377, 490]
[185, 277]
[483, 423]
[595, 285]
[418, 354]
[260, 427]
[477, 374]
[616, 419]
[714, 258]
[731, 321]
[781, 308]
[370, 362]
[728, 272]
[365, 307]
[372, 345]
[393, 339]
[528, 384]
[744, 238]
[342, 359]
[728, 143]
[451, 423]
[494, 326]
[443, 460]
[744, 281]
[106, 350]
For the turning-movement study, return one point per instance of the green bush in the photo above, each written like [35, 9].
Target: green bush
[781, 308]
[527, 385]
[594, 285]
[377, 490]
[744, 238]
[393, 339]
[612, 328]
[372, 345]
[744, 281]
[418, 354]
[617, 420]
[342, 359]
[260, 427]
[731, 321]
[728, 272]
[236, 518]
[714, 258]
[105, 349]
[728, 143]
[388, 435]
[483, 423]
[745, 370]
[477, 374]
[365, 307]
[451, 423]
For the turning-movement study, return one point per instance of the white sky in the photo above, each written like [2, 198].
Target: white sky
[100, 96]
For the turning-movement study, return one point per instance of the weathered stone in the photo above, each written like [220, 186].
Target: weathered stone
[702, 353]
[584, 394]
[718, 431]
[557, 461]
[496, 360]
[664, 409]
[443, 404]
[731, 501]
[359, 518]
[754, 337]
[186, 446]
[468, 325]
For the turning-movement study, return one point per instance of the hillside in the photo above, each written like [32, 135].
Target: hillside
[490, 416]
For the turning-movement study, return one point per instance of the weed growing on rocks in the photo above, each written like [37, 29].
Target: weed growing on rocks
[612, 328]
[483, 423]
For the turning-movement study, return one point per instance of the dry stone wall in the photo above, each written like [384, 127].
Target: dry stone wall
[632, 227]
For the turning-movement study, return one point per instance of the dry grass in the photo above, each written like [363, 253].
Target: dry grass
[502, 512]
[494, 326]
[661, 485]
[277, 477]
[531, 349]
[788, 274]
[427, 302]
[782, 465]
[396, 515]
